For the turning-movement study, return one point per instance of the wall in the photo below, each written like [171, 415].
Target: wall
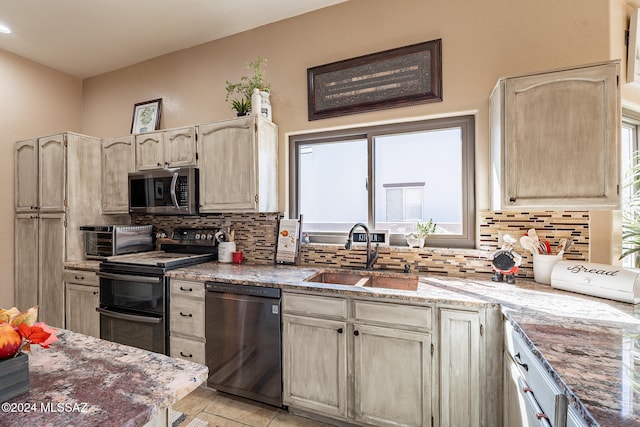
[482, 41]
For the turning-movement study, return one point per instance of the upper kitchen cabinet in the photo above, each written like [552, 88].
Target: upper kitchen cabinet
[170, 148]
[555, 139]
[238, 165]
[26, 183]
[118, 159]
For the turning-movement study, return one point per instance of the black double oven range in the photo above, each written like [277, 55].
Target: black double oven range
[134, 290]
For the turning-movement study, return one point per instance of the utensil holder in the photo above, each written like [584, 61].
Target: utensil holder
[543, 265]
[225, 251]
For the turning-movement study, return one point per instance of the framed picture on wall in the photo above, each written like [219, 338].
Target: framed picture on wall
[146, 116]
[633, 51]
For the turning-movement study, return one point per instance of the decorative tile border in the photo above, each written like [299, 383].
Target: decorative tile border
[256, 236]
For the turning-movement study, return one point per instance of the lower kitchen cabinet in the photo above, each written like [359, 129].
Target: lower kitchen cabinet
[82, 292]
[459, 368]
[187, 320]
[315, 364]
[364, 362]
[392, 376]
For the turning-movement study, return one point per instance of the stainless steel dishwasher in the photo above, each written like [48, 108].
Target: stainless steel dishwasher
[244, 345]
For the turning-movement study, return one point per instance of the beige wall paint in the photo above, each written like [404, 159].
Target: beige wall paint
[482, 41]
[35, 101]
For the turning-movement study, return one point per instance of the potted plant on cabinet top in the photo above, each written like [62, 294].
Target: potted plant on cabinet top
[423, 230]
[239, 94]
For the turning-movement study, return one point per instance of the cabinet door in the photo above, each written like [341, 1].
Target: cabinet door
[228, 179]
[459, 368]
[81, 304]
[26, 261]
[51, 230]
[392, 376]
[562, 139]
[52, 173]
[514, 412]
[149, 151]
[118, 159]
[180, 147]
[26, 176]
[315, 365]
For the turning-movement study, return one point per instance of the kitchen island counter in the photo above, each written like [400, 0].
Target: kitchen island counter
[589, 345]
[85, 381]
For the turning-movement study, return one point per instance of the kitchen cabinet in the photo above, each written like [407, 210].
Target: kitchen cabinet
[470, 365]
[118, 159]
[314, 331]
[167, 149]
[238, 165]
[531, 396]
[187, 320]
[555, 139]
[373, 366]
[82, 298]
[60, 175]
[392, 363]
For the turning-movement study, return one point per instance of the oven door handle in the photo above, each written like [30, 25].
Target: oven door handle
[131, 317]
[128, 278]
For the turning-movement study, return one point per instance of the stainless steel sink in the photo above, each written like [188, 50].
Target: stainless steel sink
[367, 279]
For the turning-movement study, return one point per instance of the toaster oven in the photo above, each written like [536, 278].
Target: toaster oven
[101, 241]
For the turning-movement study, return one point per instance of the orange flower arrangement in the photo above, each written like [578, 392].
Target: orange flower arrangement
[19, 330]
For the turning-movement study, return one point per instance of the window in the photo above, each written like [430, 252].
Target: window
[630, 147]
[388, 177]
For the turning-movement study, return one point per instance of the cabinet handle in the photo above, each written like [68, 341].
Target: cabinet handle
[356, 333]
[185, 355]
[339, 330]
[159, 164]
[519, 362]
[96, 292]
[186, 315]
[79, 277]
[186, 289]
[512, 199]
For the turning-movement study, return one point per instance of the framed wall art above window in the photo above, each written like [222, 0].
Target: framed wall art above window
[392, 78]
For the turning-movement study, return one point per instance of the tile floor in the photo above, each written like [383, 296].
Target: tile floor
[222, 410]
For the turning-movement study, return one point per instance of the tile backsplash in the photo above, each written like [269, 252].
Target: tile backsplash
[256, 236]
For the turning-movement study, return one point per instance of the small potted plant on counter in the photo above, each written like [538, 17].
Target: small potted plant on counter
[239, 94]
[423, 230]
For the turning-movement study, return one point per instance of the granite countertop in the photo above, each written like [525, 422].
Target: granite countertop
[83, 264]
[85, 381]
[589, 345]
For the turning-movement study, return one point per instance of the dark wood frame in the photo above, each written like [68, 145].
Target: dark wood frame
[137, 111]
[392, 78]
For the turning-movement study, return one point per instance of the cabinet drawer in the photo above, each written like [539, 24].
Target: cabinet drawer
[190, 350]
[313, 305]
[187, 317]
[82, 277]
[394, 314]
[186, 288]
[537, 378]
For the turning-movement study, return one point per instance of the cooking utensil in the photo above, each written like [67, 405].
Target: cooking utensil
[532, 233]
[527, 243]
[547, 247]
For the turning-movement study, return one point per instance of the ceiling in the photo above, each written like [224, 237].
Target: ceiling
[86, 38]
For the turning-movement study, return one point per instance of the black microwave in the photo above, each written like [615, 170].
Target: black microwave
[164, 191]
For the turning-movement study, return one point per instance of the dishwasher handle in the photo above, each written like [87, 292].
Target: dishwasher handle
[238, 289]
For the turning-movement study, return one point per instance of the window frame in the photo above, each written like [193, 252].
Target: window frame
[467, 239]
[630, 119]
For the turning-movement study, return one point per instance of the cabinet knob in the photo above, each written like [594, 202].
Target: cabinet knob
[339, 330]
[185, 355]
[159, 164]
[356, 333]
[186, 315]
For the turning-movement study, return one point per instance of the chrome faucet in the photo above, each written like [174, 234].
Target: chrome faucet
[371, 257]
